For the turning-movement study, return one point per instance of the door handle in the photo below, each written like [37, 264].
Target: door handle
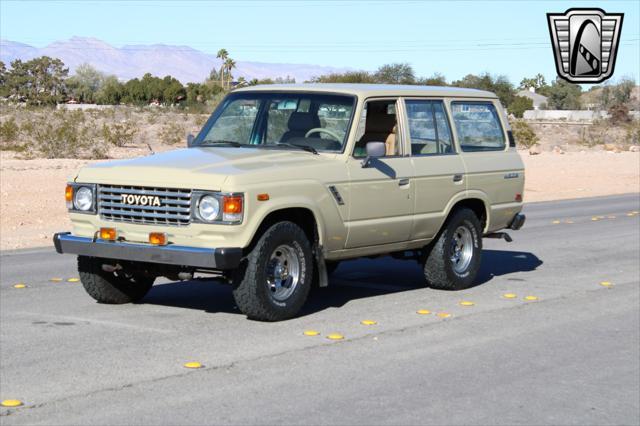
[457, 177]
[403, 182]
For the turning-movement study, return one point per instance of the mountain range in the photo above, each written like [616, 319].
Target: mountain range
[130, 61]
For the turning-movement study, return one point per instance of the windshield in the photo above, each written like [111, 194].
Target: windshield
[315, 122]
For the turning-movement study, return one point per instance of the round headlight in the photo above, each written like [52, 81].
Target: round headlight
[208, 208]
[83, 200]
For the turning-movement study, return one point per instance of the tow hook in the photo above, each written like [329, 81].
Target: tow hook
[500, 235]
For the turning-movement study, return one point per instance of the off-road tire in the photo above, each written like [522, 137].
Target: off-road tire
[109, 287]
[439, 271]
[250, 289]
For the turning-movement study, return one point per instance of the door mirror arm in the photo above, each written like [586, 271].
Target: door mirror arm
[374, 150]
[190, 139]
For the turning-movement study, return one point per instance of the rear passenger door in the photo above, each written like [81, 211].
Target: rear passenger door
[493, 168]
[439, 170]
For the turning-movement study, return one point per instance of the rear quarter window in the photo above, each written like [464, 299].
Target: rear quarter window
[478, 126]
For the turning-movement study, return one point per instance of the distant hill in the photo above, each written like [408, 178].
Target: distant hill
[182, 62]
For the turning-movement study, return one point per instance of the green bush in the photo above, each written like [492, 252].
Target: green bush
[9, 133]
[524, 134]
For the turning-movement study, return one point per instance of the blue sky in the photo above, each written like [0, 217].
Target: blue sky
[450, 37]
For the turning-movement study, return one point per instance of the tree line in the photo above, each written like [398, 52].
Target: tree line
[46, 81]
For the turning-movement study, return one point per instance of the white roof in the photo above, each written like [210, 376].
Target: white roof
[367, 90]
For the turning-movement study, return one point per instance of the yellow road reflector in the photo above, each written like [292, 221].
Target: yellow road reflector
[467, 303]
[531, 298]
[606, 284]
[55, 280]
[73, 280]
[311, 333]
[631, 214]
[594, 219]
[423, 312]
[509, 296]
[193, 365]
[335, 336]
[568, 221]
[11, 403]
[368, 322]
[555, 222]
[19, 285]
[443, 314]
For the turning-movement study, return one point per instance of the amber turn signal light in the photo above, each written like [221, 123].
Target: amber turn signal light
[263, 197]
[158, 238]
[68, 196]
[68, 193]
[232, 204]
[108, 234]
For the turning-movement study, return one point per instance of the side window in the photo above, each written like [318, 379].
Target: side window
[428, 128]
[378, 123]
[478, 126]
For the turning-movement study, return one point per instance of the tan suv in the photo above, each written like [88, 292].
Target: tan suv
[285, 181]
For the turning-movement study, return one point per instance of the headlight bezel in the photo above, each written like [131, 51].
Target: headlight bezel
[72, 206]
[221, 218]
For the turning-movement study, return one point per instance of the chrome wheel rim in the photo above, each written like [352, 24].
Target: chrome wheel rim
[283, 272]
[462, 249]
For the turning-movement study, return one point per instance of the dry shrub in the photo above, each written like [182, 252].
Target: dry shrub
[172, 133]
[119, 134]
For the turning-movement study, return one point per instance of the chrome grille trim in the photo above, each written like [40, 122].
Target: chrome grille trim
[175, 209]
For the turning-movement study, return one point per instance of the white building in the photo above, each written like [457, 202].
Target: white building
[538, 99]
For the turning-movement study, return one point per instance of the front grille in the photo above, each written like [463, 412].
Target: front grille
[174, 208]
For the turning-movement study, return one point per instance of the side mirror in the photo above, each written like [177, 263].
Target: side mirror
[374, 150]
[190, 139]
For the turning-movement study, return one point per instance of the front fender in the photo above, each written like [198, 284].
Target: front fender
[305, 194]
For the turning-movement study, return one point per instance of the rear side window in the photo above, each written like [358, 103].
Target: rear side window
[428, 128]
[478, 126]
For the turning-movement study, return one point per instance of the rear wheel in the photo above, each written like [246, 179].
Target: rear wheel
[111, 287]
[454, 259]
[272, 283]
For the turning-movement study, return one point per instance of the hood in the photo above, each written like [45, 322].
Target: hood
[192, 168]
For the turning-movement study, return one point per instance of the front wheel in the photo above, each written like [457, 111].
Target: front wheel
[111, 287]
[272, 283]
[454, 259]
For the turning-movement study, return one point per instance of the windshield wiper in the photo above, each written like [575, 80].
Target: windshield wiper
[303, 147]
[229, 143]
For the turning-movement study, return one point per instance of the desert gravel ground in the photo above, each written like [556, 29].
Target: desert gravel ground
[32, 206]
[571, 357]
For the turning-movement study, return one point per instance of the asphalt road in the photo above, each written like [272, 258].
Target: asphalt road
[571, 357]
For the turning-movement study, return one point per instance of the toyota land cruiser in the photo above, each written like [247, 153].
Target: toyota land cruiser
[285, 181]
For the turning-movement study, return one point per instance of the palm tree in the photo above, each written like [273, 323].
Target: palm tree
[222, 55]
[229, 65]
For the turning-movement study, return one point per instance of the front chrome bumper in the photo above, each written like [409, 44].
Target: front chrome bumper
[214, 258]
